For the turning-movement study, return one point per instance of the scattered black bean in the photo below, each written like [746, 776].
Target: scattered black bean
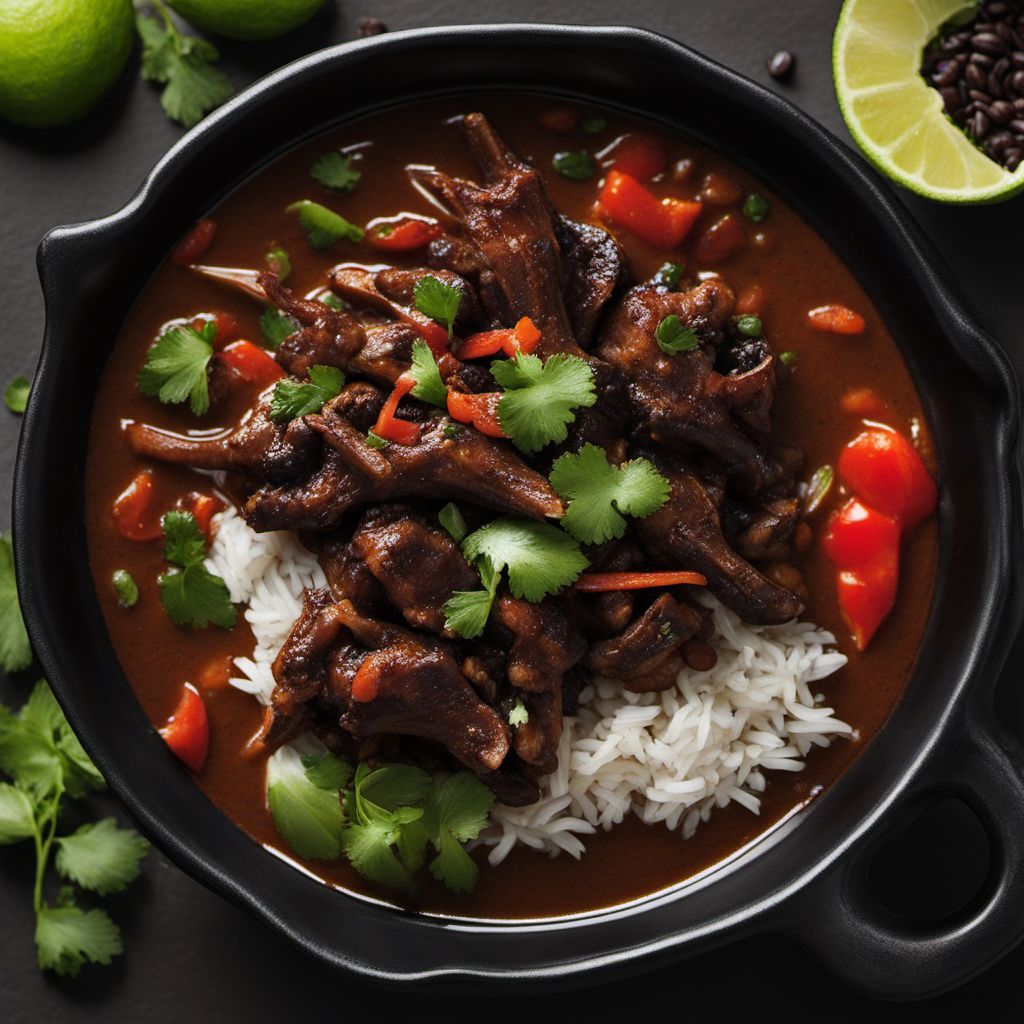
[978, 70]
[781, 65]
[371, 27]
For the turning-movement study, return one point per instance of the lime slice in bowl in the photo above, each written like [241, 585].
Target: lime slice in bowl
[896, 117]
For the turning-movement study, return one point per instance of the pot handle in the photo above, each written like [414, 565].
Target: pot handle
[841, 922]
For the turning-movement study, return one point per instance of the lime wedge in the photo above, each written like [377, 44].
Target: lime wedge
[895, 115]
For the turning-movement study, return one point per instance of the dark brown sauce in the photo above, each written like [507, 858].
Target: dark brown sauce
[797, 271]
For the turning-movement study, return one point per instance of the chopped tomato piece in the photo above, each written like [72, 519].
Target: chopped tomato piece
[661, 223]
[524, 337]
[193, 246]
[402, 234]
[883, 469]
[863, 402]
[388, 426]
[227, 327]
[479, 410]
[599, 582]
[836, 320]
[639, 155]
[251, 363]
[133, 510]
[559, 119]
[204, 508]
[723, 239]
[187, 731]
[856, 533]
[216, 673]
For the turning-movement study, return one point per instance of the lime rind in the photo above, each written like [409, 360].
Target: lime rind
[895, 116]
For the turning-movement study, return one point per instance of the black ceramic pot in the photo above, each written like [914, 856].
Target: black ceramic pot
[807, 878]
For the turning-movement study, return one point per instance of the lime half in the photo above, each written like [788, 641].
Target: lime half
[896, 117]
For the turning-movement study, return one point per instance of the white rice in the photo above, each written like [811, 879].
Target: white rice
[668, 757]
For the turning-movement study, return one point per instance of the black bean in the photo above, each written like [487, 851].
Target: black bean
[975, 76]
[1017, 125]
[371, 27]
[950, 97]
[1012, 158]
[983, 59]
[997, 10]
[1018, 105]
[999, 142]
[989, 42]
[1000, 111]
[946, 72]
[1017, 58]
[781, 64]
[979, 125]
[979, 95]
[1005, 33]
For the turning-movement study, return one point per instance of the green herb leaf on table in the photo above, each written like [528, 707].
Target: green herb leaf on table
[183, 64]
[191, 594]
[16, 395]
[429, 386]
[540, 559]
[67, 938]
[308, 816]
[540, 398]
[466, 611]
[601, 495]
[15, 650]
[101, 857]
[294, 398]
[672, 337]
[176, 366]
[275, 326]
[335, 171]
[324, 227]
[16, 818]
[437, 300]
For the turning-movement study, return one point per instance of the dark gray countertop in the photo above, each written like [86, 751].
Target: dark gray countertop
[192, 956]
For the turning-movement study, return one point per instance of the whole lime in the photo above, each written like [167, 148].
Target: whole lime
[58, 57]
[246, 19]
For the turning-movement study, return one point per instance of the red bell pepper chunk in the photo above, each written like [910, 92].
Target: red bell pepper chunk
[388, 426]
[524, 337]
[661, 223]
[479, 410]
[883, 469]
[599, 582]
[204, 508]
[187, 731]
[836, 320]
[193, 246]
[402, 234]
[227, 327]
[639, 155]
[251, 363]
[133, 510]
[864, 545]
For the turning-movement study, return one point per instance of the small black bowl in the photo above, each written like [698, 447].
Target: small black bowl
[808, 877]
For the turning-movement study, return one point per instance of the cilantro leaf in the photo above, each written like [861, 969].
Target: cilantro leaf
[376, 441]
[324, 227]
[455, 814]
[599, 493]
[368, 848]
[576, 164]
[539, 398]
[101, 857]
[672, 337]
[183, 65]
[176, 367]
[466, 611]
[429, 386]
[541, 559]
[438, 300]
[334, 171]
[16, 395]
[393, 786]
[327, 771]
[17, 820]
[185, 543]
[15, 650]
[451, 519]
[308, 816]
[196, 597]
[294, 398]
[518, 715]
[275, 326]
[67, 938]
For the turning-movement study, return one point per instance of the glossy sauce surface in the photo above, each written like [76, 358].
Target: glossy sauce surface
[795, 271]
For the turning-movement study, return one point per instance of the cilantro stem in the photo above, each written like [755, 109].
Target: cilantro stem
[48, 824]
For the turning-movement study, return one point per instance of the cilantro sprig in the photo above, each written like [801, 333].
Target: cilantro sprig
[437, 300]
[334, 170]
[15, 650]
[540, 398]
[672, 337]
[601, 495]
[466, 612]
[383, 817]
[183, 65]
[190, 593]
[16, 395]
[295, 398]
[429, 386]
[176, 366]
[45, 763]
[275, 326]
[324, 227]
